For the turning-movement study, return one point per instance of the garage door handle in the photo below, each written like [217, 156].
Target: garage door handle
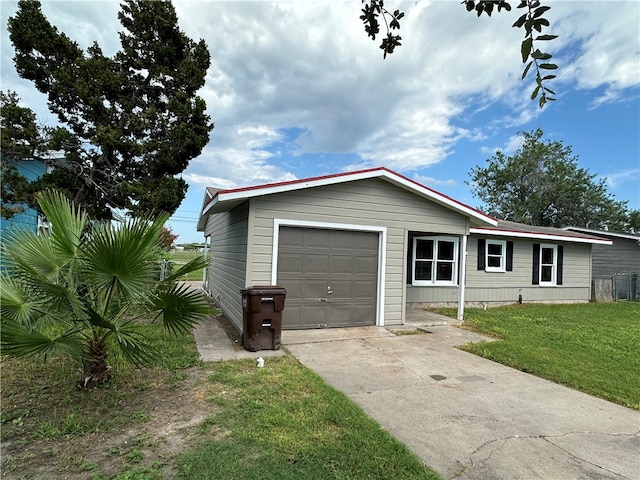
[329, 291]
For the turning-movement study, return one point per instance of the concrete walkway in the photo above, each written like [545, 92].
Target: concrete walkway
[464, 416]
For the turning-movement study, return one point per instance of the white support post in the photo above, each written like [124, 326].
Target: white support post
[463, 278]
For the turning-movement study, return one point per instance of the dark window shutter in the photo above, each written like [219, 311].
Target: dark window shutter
[410, 265]
[559, 269]
[535, 279]
[481, 246]
[509, 256]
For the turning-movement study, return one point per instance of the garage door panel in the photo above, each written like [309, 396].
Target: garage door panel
[367, 243]
[342, 290]
[314, 316]
[294, 290]
[312, 262]
[317, 239]
[342, 264]
[291, 314]
[364, 264]
[316, 263]
[313, 289]
[365, 289]
[291, 237]
[342, 240]
[340, 315]
[290, 263]
[361, 315]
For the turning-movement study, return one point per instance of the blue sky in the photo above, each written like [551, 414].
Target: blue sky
[297, 90]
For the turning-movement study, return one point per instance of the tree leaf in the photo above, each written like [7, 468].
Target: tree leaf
[534, 94]
[539, 11]
[546, 37]
[526, 69]
[520, 22]
[548, 66]
[525, 48]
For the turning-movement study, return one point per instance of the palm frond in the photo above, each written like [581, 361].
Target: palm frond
[191, 266]
[16, 305]
[34, 253]
[120, 261]
[133, 345]
[181, 308]
[19, 340]
[68, 222]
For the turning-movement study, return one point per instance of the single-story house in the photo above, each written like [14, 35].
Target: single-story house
[360, 248]
[619, 262]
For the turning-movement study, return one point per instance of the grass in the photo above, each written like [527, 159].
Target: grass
[45, 417]
[283, 422]
[180, 258]
[40, 400]
[594, 348]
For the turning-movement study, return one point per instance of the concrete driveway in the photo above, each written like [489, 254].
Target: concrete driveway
[467, 417]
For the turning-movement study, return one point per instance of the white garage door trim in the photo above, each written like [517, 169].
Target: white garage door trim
[382, 251]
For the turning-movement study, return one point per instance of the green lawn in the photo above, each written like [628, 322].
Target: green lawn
[180, 258]
[277, 422]
[591, 347]
[283, 422]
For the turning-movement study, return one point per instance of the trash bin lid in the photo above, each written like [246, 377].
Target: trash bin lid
[265, 290]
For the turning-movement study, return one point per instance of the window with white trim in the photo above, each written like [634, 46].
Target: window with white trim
[496, 256]
[548, 264]
[435, 261]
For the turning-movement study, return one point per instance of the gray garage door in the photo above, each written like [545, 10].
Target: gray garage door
[331, 277]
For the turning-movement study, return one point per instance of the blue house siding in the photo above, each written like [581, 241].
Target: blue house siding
[28, 219]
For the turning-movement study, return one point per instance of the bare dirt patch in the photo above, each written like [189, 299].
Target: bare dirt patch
[170, 417]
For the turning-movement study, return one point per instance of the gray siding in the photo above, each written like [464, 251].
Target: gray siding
[621, 257]
[227, 271]
[505, 287]
[487, 287]
[365, 202]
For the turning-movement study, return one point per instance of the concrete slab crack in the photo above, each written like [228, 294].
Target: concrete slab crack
[496, 444]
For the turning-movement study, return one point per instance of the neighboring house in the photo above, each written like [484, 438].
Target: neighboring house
[360, 248]
[29, 218]
[619, 261]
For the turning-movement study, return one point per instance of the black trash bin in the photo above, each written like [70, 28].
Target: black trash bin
[262, 317]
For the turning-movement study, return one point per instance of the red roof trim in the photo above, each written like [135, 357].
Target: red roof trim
[538, 233]
[344, 174]
[302, 180]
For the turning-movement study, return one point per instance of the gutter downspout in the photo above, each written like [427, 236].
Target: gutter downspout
[463, 278]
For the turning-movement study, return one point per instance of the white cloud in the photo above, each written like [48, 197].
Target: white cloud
[424, 180]
[309, 66]
[608, 46]
[513, 143]
[613, 180]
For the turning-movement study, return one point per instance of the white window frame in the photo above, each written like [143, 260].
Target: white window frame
[434, 266]
[554, 265]
[503, 256]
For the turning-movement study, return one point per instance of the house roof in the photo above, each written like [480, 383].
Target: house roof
[605, 233]
[217, 201]
[506, 228]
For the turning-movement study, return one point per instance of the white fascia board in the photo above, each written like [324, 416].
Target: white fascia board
[603, 233]
[539, 236]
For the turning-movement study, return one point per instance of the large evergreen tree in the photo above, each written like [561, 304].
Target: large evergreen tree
[131, 122]
[542, 184]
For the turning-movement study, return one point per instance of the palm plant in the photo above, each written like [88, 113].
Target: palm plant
[84, 289]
